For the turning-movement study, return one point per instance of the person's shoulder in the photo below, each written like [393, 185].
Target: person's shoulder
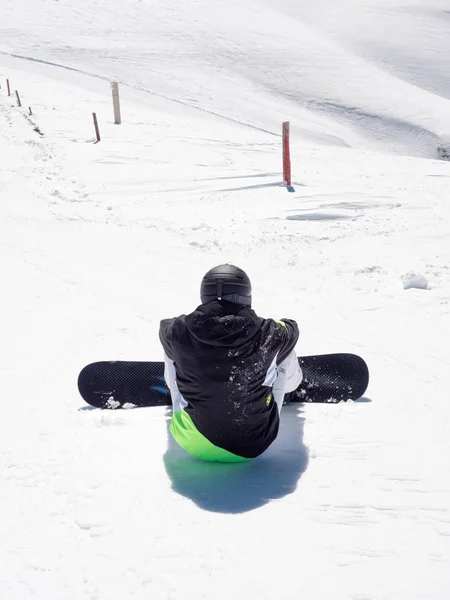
[282, 330]
[172, 325]
[280, 324]
[287, 323]
[173, 321]
[273, 326]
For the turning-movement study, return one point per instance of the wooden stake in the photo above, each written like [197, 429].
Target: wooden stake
[287, 157]
[286, 154]
[9, 89]
[97, 132]
[30, 111]
[18, 99]
[116, 103]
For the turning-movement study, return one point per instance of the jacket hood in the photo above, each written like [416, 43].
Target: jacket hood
[222, 323]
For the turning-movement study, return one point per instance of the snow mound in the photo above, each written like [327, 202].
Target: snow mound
[414, 280]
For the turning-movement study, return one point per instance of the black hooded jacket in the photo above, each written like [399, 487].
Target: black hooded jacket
[222, 353]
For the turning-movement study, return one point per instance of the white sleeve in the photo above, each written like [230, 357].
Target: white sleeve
[178, 402]
[294, 373]
[288, 379]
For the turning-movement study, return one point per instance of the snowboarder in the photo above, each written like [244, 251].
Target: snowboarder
[228, 371]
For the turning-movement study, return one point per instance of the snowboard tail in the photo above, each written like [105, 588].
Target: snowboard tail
[328, 378]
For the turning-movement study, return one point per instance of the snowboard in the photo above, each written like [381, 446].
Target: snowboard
[328, 378]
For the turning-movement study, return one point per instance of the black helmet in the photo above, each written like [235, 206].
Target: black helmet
[226, 282]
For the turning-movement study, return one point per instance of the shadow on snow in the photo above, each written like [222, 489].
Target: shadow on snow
[241, 487]
[320, 217]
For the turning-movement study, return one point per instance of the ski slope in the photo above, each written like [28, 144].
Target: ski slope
[99, 242]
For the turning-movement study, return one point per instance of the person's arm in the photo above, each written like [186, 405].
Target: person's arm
[165, 336]
[170, 377]
[290, 338]
[291, 371]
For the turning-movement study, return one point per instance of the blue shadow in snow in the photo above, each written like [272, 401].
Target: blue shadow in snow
[320, 217]
[363, 399]
[241, 487]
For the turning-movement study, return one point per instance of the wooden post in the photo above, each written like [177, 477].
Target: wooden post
[30, 111]
[97, 132]
[18, 99]
[116, 103]
[9, 89]
[286, 154]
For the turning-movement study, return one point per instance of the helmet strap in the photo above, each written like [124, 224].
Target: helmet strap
[234, 298]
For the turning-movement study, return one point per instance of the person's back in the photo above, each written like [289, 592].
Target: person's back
[227, 370]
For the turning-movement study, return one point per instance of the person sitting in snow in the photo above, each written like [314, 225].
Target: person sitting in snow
[228, 371]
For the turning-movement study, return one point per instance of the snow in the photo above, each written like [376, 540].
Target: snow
[414, 280]
[99, 242]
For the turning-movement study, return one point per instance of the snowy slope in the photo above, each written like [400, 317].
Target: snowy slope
[322, 65]
[100, 241]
